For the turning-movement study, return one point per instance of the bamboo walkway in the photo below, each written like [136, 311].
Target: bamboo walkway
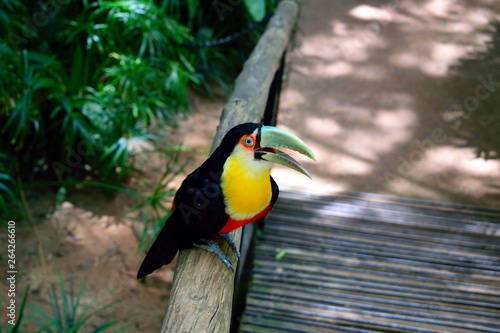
[358, 262]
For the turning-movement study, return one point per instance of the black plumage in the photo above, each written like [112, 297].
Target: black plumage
[198, 207]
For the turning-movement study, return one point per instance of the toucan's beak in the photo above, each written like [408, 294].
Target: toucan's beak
[272, 138]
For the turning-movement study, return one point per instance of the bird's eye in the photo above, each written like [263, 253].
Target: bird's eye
[248, 141]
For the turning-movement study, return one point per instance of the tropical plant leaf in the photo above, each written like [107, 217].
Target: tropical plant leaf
[102, 74]
[67, 314]
[256, 9]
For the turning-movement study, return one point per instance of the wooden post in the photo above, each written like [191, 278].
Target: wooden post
[202, 291]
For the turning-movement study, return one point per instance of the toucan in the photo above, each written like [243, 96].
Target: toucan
[231, 188]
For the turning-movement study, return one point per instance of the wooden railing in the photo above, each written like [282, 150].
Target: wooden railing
[202, 292]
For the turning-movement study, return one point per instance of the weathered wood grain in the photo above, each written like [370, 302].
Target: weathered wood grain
[363, 262]
[201, 296]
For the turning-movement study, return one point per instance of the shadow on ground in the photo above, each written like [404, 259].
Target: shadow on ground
[374, 89]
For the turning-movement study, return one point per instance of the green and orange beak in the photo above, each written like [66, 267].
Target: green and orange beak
[272, 139]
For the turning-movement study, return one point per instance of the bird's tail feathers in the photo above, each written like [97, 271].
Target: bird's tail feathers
[162, 251]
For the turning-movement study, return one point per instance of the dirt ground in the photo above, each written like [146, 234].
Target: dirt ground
[369, 88]
[89, 237]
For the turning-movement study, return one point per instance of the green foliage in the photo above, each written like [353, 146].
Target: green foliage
[9, 202]
[256, 8]
[69, 314]
[280, 255]
[153, 207]
[82, 81]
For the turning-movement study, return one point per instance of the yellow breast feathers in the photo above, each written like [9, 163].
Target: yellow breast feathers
[246, 185]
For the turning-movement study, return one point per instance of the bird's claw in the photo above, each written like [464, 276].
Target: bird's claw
[230, 241]
[211, 246]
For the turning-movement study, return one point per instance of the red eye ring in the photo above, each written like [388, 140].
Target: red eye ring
[248, 141]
